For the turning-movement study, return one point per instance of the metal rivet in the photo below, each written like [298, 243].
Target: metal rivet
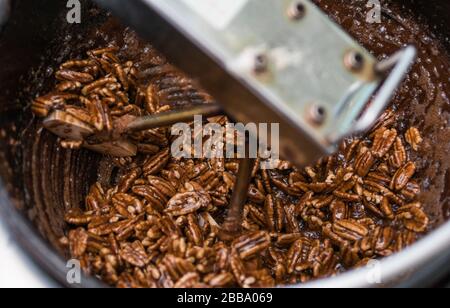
[297, 10]
[317, 114]
[354, 60]
[261, 63]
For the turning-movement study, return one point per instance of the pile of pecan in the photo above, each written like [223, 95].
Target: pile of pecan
[99, 92]
[158, 226]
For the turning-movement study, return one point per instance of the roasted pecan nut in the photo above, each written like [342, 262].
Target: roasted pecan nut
[350, 230]
[383, 141]
[364, 161]
[248, 245]
[155, 164]
[134, 254]
[403, 176]
[413, 217]
[186, 203]
[414, 138]
[78, 241]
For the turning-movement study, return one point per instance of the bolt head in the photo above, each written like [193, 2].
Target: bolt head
[297, 10]
[261, 63]
[317, 114]
[354, 61]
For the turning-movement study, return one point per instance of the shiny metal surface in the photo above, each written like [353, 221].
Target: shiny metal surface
[16, 268]
[27, 260]
[174, 117]
[233, 222]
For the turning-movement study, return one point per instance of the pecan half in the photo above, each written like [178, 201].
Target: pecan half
[414, 138]
[134, 254]
[403, 176]
[247, 246]
[350, 230]
[186, 203]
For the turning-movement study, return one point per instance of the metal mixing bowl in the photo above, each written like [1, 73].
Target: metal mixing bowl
[39, 180]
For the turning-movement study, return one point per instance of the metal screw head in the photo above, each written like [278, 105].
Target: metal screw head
[261, 63]
[296, 10]
[354, 60]
[317, 114]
